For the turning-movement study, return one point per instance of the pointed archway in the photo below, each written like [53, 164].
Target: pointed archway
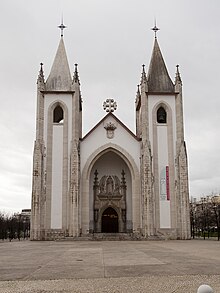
[111, 186]
[109, 221]
[110, 159]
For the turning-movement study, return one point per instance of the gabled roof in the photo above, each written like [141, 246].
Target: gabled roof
[158, 78]
[59, 78]
[119, 121]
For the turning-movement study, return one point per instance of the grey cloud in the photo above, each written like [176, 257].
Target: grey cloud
[110, 40]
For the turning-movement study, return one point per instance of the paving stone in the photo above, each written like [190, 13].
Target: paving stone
[109, 266]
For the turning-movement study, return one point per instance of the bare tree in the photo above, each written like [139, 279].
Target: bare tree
[216, 208]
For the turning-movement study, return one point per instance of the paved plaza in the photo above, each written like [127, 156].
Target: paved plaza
[109, 266]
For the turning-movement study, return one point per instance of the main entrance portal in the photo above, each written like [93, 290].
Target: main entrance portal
[109, 221]
[110, 196]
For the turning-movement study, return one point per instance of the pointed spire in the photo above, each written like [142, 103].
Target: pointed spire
[178, 77]
[59, 78]
[158, 77]
[40, 78]
[143, 75]
[76, 75]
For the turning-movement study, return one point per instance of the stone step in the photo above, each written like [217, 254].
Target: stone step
[100, 237]
[112, 237]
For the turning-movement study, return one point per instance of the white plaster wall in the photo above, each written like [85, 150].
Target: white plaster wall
[162, 163]
[165, 214]
[153, 100]
[98, 138]
[66, 99]
[111, 164]
[57, 177]
[49, 99]
[170, 100]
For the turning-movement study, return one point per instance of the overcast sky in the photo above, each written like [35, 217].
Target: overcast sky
[110, 40]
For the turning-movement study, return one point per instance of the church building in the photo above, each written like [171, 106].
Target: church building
[110, 181]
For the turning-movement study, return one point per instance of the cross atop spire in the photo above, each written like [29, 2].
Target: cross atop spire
[61, 27]
[155, 29]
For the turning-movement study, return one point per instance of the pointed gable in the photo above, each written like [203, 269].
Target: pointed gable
[59, 78]
[158, 78]
[110, 134]
[110, 114]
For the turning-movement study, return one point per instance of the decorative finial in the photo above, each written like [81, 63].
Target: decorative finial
[41, 66]
[62, 27]
[178, 77]
[155, 29]
[138, 90]
[143, 75]
[41, 74]
[109, 105]
[76, 74]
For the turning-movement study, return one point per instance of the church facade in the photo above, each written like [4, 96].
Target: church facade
[110, 180]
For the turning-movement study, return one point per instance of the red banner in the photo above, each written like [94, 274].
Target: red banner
[167, 183]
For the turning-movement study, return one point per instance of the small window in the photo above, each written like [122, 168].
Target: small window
[58, 115]
[161, 115]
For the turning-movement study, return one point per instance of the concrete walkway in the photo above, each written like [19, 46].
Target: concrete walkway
[109, 266]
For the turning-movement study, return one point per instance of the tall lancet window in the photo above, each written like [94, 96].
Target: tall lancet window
[161, 115]
[58, 115]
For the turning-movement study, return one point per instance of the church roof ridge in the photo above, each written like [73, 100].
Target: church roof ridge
[60, 76]
[158, 78]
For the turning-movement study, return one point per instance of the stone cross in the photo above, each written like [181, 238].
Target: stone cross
[109, 105]
[155, 29]
[62, 27]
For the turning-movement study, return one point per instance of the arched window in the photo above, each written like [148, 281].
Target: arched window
[161, 115]
[58, 115]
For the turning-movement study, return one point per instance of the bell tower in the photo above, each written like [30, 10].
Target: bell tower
[159, 125]
[55, 189]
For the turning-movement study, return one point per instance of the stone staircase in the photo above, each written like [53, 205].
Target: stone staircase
[112, 237]
[100, 237]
